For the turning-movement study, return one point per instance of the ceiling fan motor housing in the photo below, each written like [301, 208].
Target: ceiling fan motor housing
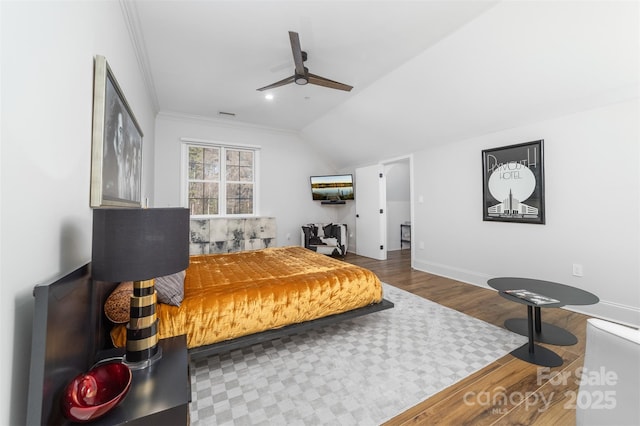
[302, 79]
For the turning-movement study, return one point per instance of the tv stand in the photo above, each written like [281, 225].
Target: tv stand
[333, 202]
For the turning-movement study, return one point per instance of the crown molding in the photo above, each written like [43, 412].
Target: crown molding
[171, 115]
[132, 21]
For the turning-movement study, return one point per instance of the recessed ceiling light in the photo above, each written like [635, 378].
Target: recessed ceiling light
[269, 96]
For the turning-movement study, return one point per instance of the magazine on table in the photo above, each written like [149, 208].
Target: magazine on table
[532, 297]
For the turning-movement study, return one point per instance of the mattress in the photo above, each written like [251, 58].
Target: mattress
[236, 294]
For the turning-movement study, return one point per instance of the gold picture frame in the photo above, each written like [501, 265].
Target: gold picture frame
[116, 150]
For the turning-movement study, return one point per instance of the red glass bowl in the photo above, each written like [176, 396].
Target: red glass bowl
[92, 394]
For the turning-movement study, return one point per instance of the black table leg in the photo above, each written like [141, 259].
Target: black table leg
[533, 353]
[544, 332]
[530, 331]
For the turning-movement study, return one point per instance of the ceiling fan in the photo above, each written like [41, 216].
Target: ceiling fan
[302, 75]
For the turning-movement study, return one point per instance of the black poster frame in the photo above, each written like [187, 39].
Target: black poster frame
[508, 174]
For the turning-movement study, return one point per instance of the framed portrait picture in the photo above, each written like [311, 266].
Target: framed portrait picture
[116, 151]
[513, 183]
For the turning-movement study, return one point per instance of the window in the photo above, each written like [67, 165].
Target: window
[220, 180]
[204, 180]
[239, 182]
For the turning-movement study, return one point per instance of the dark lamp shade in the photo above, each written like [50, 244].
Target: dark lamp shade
[139, 244]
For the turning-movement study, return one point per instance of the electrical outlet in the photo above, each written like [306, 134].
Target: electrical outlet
[421, 245]
[577, 270]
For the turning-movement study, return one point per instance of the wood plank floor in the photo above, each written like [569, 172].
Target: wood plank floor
[508, 391]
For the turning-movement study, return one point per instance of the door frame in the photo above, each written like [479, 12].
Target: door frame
[402, 159]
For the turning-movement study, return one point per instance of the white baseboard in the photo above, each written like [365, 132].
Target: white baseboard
[611, 311]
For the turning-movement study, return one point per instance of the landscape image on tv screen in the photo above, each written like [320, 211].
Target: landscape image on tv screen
[332, 188]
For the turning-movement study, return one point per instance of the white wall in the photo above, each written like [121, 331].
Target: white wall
[592, 210]
[286, 163]
[47, 83]
[398, 201]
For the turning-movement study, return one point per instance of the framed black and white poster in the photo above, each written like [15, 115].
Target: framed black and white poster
[513, 183]
[116, 158]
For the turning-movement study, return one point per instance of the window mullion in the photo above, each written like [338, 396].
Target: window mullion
[222, 191]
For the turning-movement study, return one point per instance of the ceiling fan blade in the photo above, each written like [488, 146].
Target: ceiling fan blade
[321, 81]
[297, 52]
[278, 83]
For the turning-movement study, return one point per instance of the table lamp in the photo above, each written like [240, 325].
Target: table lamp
[139, 245]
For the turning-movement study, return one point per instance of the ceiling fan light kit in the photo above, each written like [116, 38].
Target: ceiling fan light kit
[302, 75]
[301, 79]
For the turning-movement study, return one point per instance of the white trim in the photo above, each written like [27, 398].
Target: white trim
[225, 122]
[220, 144]
[611, 311]
[399, 159]
[184, 155]
[458, 274]
[256, 183]
[132, 22]
[402, 159]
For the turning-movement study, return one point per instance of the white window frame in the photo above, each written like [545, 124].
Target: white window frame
[222, 202]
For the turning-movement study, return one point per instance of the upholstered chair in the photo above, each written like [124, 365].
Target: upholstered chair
[326, 238]
[609, 391]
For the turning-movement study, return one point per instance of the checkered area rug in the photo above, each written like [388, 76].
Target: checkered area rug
[362, 371]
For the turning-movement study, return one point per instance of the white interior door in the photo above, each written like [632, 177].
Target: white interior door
[371, 230]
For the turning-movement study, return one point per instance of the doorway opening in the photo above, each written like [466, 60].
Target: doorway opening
[383, 204]
[398, 203]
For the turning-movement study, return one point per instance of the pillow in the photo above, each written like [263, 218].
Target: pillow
[328, 230]
[315, 241]
[116, 307]
[170, 288]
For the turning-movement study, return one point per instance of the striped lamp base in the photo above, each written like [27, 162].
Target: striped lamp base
[142, 330]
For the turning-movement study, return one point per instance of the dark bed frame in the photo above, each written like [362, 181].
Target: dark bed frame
[268, 335]
[71, 333]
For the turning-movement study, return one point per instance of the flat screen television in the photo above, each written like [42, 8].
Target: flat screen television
[332, 189]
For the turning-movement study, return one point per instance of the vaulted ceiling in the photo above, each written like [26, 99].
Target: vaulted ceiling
[424, 72]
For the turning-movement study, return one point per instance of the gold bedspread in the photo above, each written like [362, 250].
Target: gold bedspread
[236, 294]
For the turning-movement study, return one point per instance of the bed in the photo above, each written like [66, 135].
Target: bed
[237, 299]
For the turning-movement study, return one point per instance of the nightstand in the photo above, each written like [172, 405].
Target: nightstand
[160, 394]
